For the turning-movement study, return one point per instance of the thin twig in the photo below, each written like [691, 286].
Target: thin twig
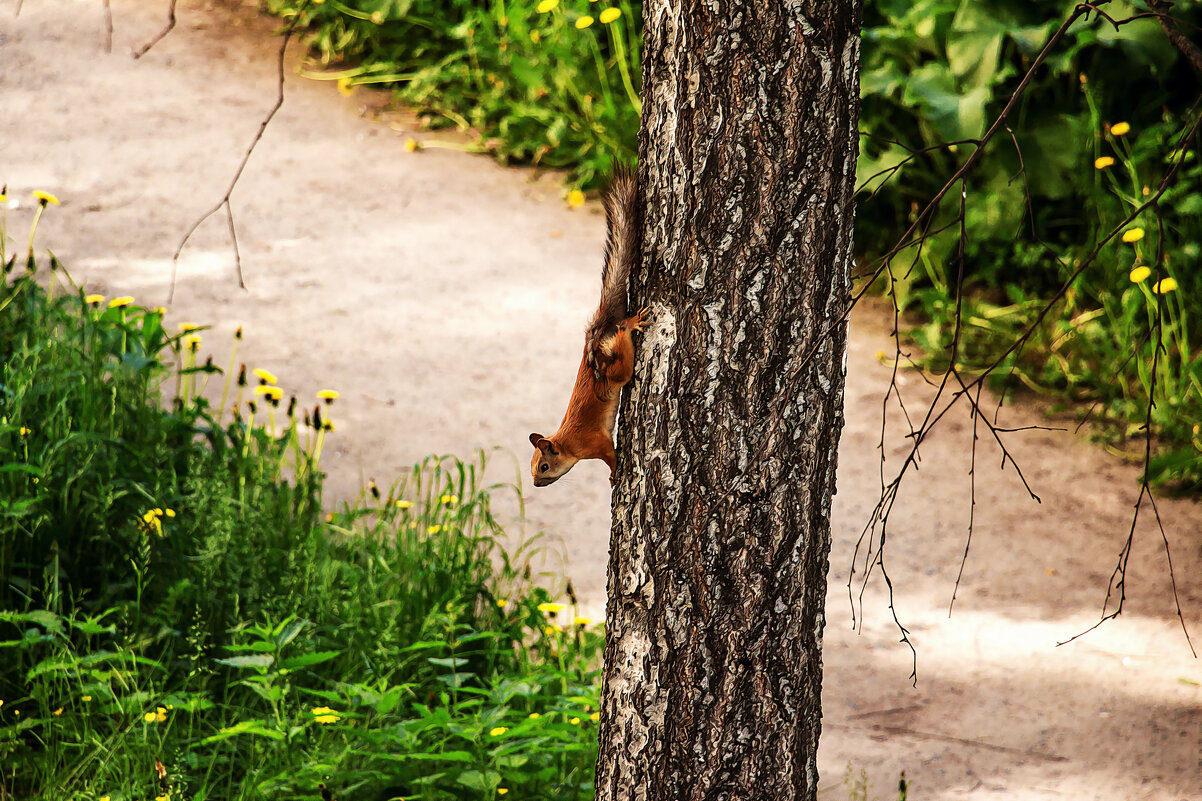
[225, 199]
[144, 49]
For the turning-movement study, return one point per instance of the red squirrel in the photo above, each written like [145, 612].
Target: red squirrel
[587, 430]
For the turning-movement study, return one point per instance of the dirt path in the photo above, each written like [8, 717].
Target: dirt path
[444, 296]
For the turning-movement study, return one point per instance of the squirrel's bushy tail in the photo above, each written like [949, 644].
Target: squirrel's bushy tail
[621, 248]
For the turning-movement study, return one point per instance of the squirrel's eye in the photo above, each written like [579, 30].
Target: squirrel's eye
[544, 467]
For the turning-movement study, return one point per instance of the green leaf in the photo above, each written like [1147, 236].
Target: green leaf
[305, 660]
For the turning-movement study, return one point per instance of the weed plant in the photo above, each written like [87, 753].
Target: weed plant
[181, 618]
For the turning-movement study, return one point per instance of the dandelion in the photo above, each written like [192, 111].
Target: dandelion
[502, 790]
[550, 630]
[547, 5]
[550, 608]
[501, 602]
[1139, 275]
[163, 797]
[447, 500]
[323, 714]
[404, 504]
[1103, 162]
[1119, 128]
[117, 303]
[1164, 286]
[85, 698]
[344, 86]
[498, 731]
[192, 342]
[271, 393]
[150, 717]
[160, 714]
[94, 299]
[186, 327]
[45, 197]
[24, 431]
[1133, 235]
[159, 310]
[434, 529]
[265, 376]
[584, 22]
[575, 721]
[575, 198]
[534, 716]
[609, 15]
[106, 798]
[582, 621]
[595, 717]
[412, 145]
[328, 395]
[58, 711]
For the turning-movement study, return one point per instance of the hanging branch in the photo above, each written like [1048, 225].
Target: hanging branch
[873, 538]
[224, 202]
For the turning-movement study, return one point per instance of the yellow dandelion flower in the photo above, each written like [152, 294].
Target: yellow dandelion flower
[582, 621]
[323, 719]
[609, 15]
[85, 698]
[584, 22]
[412, 145]
[534, 716]
[447, 500]
[45, 197]
[24, 431]
[434, 529]
[106, 798]
[547, 5]
[498, 731]
[550, 630]
[404, 504]
[17, 712]
[150, 717]
[186, 327]
[265, 376]
[1103, 162]
[1119, 128]
[94, 299]
[323, 710]
[502, 790]
[58, 711]
[328, 395]
[595, 717]
[501, 602]
[192, 341]
[344, 86]
[575, 198]
[124, 300]
[170, 513]
[1133, 235]
[1164, 286]
[575, 721]
[163, 797]
[550, 607]
[327, 425]
[535, 37]
[159, 310]
[160, 715]
[1139, 275]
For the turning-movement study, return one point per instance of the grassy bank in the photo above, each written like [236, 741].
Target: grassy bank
[182, 616]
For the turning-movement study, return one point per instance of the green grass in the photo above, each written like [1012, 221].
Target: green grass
[176, 593]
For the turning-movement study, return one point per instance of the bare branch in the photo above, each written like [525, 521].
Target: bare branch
[158, 37]
[224, 202]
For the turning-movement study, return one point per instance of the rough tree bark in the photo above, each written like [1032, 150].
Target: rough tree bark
[728, 436]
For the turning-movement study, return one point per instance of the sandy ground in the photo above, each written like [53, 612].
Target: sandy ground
[445, 296]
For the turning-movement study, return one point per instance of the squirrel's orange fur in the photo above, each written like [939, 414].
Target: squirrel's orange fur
[587, 430]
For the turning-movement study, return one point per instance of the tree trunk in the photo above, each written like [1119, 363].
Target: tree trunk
[728, 436]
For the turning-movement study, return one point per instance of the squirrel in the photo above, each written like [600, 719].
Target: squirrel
[587, 430]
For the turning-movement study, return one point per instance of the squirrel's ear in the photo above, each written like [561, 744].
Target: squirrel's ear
[534, 438]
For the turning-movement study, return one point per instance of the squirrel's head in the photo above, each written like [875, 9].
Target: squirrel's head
[549, 462]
